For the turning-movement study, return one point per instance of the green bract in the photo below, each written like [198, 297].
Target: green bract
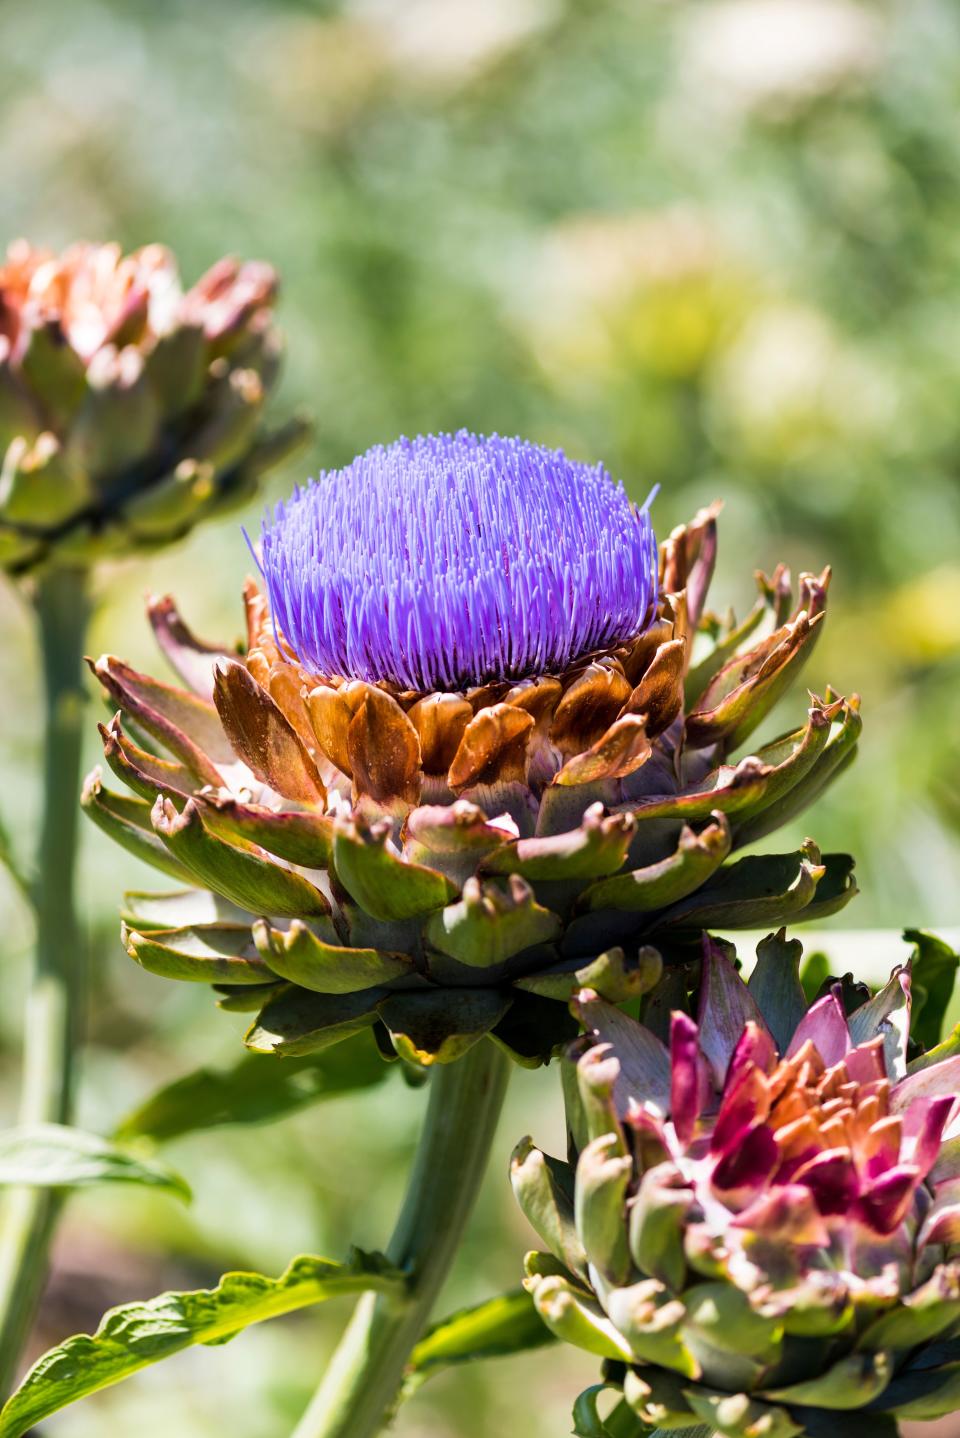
[759, 1224]
[129, 409]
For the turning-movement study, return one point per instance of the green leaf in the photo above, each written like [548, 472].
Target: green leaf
[813, 975]
[256, 1089]
[587, 1422]
[934, 974]
[137, 1334]
[622, 1422]
[776, 987]
[492, 1329]
[51, 1155]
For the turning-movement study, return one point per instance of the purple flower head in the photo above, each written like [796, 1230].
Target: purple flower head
[450, 560]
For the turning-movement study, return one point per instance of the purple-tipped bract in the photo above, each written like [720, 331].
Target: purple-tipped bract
[450, 560]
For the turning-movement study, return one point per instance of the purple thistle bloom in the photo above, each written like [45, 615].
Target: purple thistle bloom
[451, 560]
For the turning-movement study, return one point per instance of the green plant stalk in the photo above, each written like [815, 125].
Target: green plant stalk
[360, 1387]
[701, 1432]
[51, 1020]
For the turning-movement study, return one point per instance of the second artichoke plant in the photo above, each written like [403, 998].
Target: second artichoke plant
[759, 1229]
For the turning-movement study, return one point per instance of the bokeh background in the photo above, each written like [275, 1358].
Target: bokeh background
[716, 245]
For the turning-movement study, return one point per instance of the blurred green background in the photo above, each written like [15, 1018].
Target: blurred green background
[716, 245]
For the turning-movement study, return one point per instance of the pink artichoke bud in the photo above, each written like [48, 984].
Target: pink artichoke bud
[788, 1189]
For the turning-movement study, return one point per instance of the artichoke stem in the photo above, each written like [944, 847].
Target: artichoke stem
[51, 1019]
[360, 1387]
[701, 1432]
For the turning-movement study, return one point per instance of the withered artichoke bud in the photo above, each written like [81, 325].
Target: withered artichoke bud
[462, 753]
[759, 1223]
[129, 409]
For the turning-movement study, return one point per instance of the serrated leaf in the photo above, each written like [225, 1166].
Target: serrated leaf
[51, 1155]
[495, 1328]
[256, 1089]
[137, 1334]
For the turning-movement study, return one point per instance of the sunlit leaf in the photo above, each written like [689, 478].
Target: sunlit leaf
[257, 1088]
[137, 1334]
[51, 1155]
[495, 1328]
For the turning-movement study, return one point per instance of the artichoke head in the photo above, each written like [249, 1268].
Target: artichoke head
[445, 865]
[758, 1226]
[129, 409]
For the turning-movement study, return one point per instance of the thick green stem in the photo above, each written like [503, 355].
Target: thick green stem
[51, 1019]
[702, 1432]
[363, 1379]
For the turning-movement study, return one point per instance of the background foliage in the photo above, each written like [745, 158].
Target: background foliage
[717, 245]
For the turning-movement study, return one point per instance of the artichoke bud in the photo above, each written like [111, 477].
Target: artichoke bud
[133, 378]
[603, 1175]
[799, 1238]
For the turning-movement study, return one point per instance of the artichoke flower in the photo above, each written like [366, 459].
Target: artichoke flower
[464, 751]
[760, 1225]
[128, 409]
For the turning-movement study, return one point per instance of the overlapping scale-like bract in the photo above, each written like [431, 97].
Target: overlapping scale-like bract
[444, 864]
[760, 1226]
[450, 560]
[129, 409]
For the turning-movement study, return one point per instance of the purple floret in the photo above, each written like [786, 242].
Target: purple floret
[451, 560]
